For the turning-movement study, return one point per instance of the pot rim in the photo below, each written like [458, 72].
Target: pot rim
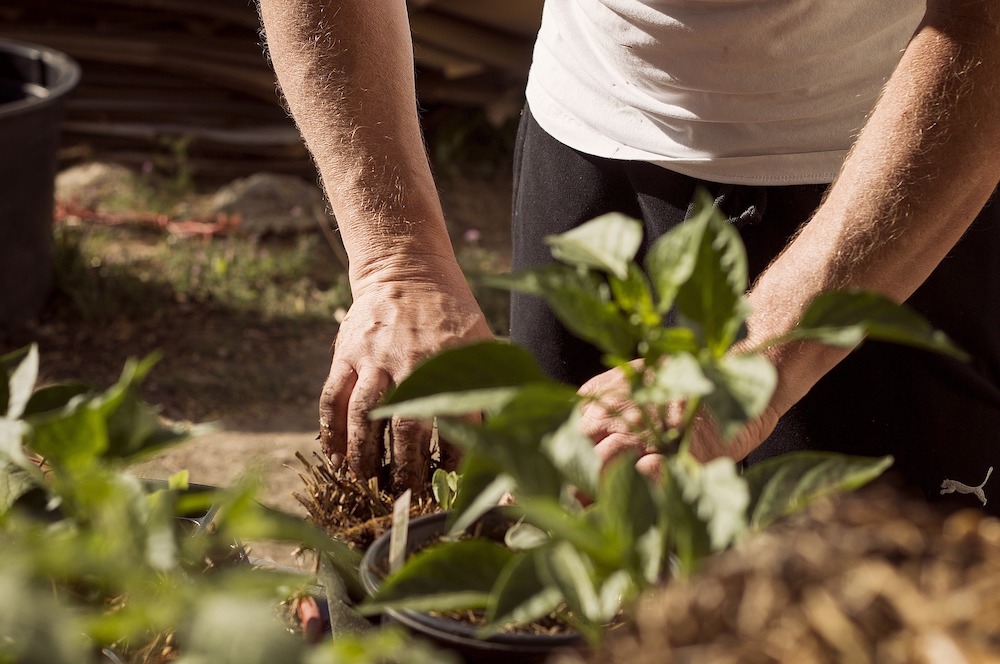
[443, 628]
[63, 71]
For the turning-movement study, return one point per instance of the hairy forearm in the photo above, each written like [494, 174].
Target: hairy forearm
[921, 170]
[345, 68]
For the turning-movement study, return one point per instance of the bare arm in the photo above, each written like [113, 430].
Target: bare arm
[922, 169]
[345, 68]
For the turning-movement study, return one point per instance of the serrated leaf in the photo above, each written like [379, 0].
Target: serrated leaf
[677, 377]
[744, 385]
[607, 243]
[785, 484]
[633, 295]
[582, 302]
[718, 495]
[844, 318]
[672, 258]
[713, 299]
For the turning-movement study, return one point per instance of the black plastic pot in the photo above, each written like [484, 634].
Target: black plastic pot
[453, 635]
[34, 81]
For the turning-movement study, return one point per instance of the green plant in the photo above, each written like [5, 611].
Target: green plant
[96, 560]
[588, 562]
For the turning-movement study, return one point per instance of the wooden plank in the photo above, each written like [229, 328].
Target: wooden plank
[496, 49]
[517, 17]
[450, 64]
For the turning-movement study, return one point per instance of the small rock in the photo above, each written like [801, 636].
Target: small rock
[97, 186]
[271, 203]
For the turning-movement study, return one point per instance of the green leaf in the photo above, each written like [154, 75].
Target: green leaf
[134, 427]
[634, 296]
[607, 243]
[343, 618]
[575, 578]
[672, 259]
[447, 577]
[551, 516]
[387, 645]
[536, 410]
[718, 494]
[481, 366]
[669, 341]
[845, 318]
[523, 536]
[678, 377]
[616, 590]
[14, 483]
[229, 628]
[54, 397]
[520, 596]
[441, 487]
[35, 626]
[533, 474]
[13, 434]
[572, 453]
[72, 436]
[744, 385]
[627, 506]
[447, 404]
[244, 519]
[790, 482]
[484, 501]
[179, 481]
[582, 302]
[161, 546]
[482, 488]
[713, 300]
[22, 373]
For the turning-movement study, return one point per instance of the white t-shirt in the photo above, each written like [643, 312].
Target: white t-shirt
[736, 91]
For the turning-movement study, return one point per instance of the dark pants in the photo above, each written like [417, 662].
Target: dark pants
[938, 417]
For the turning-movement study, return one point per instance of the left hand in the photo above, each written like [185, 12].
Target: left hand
[617, 426]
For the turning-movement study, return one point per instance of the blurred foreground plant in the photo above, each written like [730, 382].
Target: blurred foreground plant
[99, 565]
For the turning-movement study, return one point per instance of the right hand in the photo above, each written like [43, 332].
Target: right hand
[391, 327]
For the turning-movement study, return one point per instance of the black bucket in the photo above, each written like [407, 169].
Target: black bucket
[34, 81]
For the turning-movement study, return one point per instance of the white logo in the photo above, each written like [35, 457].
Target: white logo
[951, 486]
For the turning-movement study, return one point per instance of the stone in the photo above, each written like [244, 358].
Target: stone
[270, 203]
[98, 186]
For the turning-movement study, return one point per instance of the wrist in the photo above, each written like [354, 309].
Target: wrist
[407, 267]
